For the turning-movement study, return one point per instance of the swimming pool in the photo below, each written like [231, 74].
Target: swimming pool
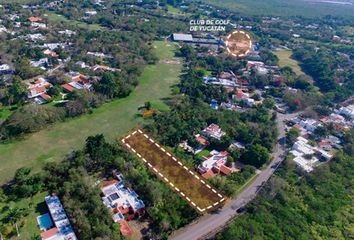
[45, 222]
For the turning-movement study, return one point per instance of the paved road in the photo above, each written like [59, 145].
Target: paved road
[212, 222]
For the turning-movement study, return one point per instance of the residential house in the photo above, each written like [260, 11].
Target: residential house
[34, 19]
[6, 69]
[213, 131]
[41, 63]
[81, 64]
[301, 147]
[306, 165]
[55, 226]
[309, 124]
[91, 12]
[67, 32]
[38, 87]
[37, 25]
[34, 37]
[77, 82]
[347, 111]
[213, 164]
[243, 95]
[50, 53]
[227, 75]
[325, 145]
[98, 54]
[123, 202]
[258, 66]
[102, 68]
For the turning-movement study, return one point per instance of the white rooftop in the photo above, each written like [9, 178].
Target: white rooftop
[59, 217]
[182, 37]
[305, 164]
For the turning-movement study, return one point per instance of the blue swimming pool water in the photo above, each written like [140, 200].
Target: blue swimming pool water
[45, 222]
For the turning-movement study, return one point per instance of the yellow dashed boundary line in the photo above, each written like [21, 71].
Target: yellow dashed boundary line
[166, 180]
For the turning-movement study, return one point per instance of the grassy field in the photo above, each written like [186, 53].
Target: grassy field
[188, 184]
[285, 7]
[59, 18]
[285, 60]
[174, 11]
[112, 119]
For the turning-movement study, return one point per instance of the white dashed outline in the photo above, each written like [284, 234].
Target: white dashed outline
[249, 43]
[166, 180]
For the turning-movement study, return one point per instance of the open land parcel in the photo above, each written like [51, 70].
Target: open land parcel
[180, 178]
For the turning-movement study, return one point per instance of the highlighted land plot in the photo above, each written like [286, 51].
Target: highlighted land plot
[238, 43]
[188, 184]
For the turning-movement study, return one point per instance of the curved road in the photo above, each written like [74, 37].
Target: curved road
[211, 223]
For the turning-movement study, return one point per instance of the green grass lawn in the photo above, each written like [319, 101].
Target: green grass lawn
[28, 225]
[203, 153]
[175, 11]
[112, 119]
[285, 7]
[56, 18]
[285, 60]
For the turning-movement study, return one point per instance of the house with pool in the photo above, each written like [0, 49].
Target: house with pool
[55, 225]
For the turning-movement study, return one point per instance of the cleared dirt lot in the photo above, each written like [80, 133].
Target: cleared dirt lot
[188, 184]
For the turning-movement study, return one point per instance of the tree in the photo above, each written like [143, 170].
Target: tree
[16, 93]
[31, 118]
[256, 155]
[99, 150]
[236, 154]
[292, 135]
[75, 108]
[25, 70]
[111, 86]
[22, 174]
[187, 52]
[229, 161]
[321, 132]
[269, 103]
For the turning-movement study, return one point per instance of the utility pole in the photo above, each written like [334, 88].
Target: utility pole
[18, 233]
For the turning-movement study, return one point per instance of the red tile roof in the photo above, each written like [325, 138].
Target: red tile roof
[225, 170]
[34, 19]
[79, 78]
[209, 174]
[39, 89]
[50, 233]
[68, 88]
[125, 229]
[107, 183]
[324, 143]
[45, 96]
[202, 141]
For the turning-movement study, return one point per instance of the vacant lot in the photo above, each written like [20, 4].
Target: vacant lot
[112, 119]
[285, 60]
[182, 180]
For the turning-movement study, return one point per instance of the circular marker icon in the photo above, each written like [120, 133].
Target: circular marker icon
[238, 43]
